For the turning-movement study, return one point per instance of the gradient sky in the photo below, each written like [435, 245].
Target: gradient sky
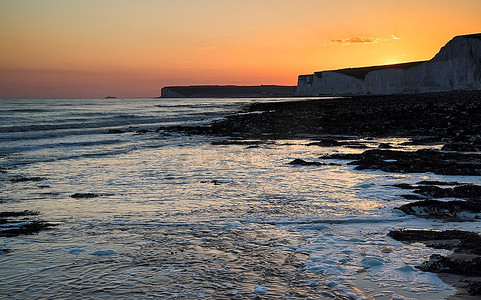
[95, 48]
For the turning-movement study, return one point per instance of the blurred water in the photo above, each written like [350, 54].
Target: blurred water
[179, 217]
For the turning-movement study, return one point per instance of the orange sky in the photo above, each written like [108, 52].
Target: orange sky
[71, 48]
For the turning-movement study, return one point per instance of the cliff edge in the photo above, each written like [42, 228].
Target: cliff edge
[456, 67]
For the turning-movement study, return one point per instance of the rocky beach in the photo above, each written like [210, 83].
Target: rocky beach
[338, 198]
[451, 121]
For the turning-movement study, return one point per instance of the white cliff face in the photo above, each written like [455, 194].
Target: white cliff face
[457, 66]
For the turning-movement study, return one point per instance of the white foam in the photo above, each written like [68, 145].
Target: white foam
[260, 289]
[103, 252]
[372, 261]
[75, 250]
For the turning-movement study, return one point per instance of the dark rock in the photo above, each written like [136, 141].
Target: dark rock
[301, 162]
[467, 191]
[342, 156]
[412, 197]
[24, 179]
[461, 242]
[452, 117]
[215, 181]
[474, 287]
[462, 147]
[458, 240]
[26, 227]
[463, 191]
[385, 146]
[405, 186]
[420, 161]
[447, 210]
[326, 143]
[10, 214]
[12, 225]
[434, 182]
[440, 264]
[115, 131]
[189, 130]
[85, 195]
[143, 131]
[422, 141]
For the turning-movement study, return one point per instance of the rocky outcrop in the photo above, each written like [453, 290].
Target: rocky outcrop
[457, 66]
[465, 259]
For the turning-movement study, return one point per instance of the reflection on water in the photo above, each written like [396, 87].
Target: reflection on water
[180, 217]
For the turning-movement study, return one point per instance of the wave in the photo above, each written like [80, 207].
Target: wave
[16, 149]
[23, 160]
[120, 120]
[360, 220]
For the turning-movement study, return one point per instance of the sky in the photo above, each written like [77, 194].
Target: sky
[126, 48]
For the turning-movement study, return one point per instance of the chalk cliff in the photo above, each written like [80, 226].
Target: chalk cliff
[457, 66]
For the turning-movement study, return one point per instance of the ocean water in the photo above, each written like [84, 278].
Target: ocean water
[179, 217]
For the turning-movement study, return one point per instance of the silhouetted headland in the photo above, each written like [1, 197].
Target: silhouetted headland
[227, 91]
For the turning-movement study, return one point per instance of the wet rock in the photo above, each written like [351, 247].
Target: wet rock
[474, 287]
[342, 156]
[115, 131]
[28, 227]
[420, 161]
[465, 260]
[461, 147]
[88, 195]
[466, 191]
[405, 186]
[413, 197]
[435, 182]
[143, 131]
[427, 118]
[25, 179]
[441, 264]
[447, 210]
[189, 130]
[326, 143]
[458, 240]
[301, 162]
[11, 223]
[463, 191]
[385, 146]
[215, 181]
[10, 214]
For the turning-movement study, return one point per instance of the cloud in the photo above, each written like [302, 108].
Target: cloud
[362, 40]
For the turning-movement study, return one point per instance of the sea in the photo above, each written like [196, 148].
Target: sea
[179, 216]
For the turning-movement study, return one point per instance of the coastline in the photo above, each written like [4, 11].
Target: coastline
[451, 120]
[221, 167]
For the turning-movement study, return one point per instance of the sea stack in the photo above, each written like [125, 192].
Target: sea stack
[456, 67]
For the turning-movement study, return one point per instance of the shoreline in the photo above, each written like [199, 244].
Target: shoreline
[451, 119]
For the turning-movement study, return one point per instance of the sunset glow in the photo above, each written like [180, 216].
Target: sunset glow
[133, 48]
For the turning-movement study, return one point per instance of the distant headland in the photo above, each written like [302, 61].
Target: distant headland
[227, 91]
[456, 67]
